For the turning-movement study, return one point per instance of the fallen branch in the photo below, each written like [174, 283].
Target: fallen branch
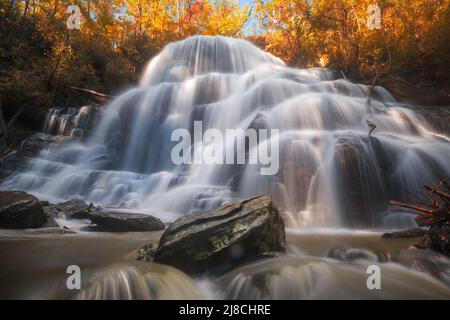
[437, 219]
[442, 194]
[372, 127]
[14, 117]
[95, 93]
[410, 206]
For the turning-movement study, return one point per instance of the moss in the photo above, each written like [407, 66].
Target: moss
[147, 252]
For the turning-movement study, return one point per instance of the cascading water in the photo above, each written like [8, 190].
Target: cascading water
[72, 122]
[332, 173]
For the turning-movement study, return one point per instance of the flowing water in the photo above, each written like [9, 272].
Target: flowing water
[332, 173]
[72, 122]
[318, 265]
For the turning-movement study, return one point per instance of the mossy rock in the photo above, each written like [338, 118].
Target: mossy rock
[220, 240]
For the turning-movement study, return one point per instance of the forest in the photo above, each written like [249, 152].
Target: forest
[42, 61]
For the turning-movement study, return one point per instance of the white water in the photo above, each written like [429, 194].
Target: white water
[331, 173]
[70, 122]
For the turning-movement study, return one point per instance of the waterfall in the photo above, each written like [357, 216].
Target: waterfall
[331, 174]
[72, 122]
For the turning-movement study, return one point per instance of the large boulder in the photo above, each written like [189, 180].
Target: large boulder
[114, 221]
[218, 241]
[19, 210]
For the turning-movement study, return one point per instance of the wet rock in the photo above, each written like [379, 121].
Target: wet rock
[45, 203]
[349, 254]
[217, 241]
[72, 209]
[235, 182]
[411, 233]
[51, 215]
[361, 188]
[147, 252]
[123, 221]
[29, 148]
[436, 239]
[19, 210]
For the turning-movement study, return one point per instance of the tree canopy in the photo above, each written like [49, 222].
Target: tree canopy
[40, 58]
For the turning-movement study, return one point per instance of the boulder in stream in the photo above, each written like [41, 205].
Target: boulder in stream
[218, 241]
[19, 210]
[114, 221]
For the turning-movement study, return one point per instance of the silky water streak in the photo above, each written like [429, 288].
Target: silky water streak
[216, 149]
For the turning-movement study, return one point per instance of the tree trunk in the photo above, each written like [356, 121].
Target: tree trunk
[55, 8]
[25, 11]
[2, 127]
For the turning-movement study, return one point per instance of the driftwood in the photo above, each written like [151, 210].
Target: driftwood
[92, 92]
[434, 212]
[435, 215]
[372, 127]
[410, 206]
[445, 196]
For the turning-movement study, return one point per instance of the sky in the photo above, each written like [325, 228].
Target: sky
[251, 26]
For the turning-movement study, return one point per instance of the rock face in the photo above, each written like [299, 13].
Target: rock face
[360, 192]
[124, 221]
[19, 210]
[27, 149]
[217, 241]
